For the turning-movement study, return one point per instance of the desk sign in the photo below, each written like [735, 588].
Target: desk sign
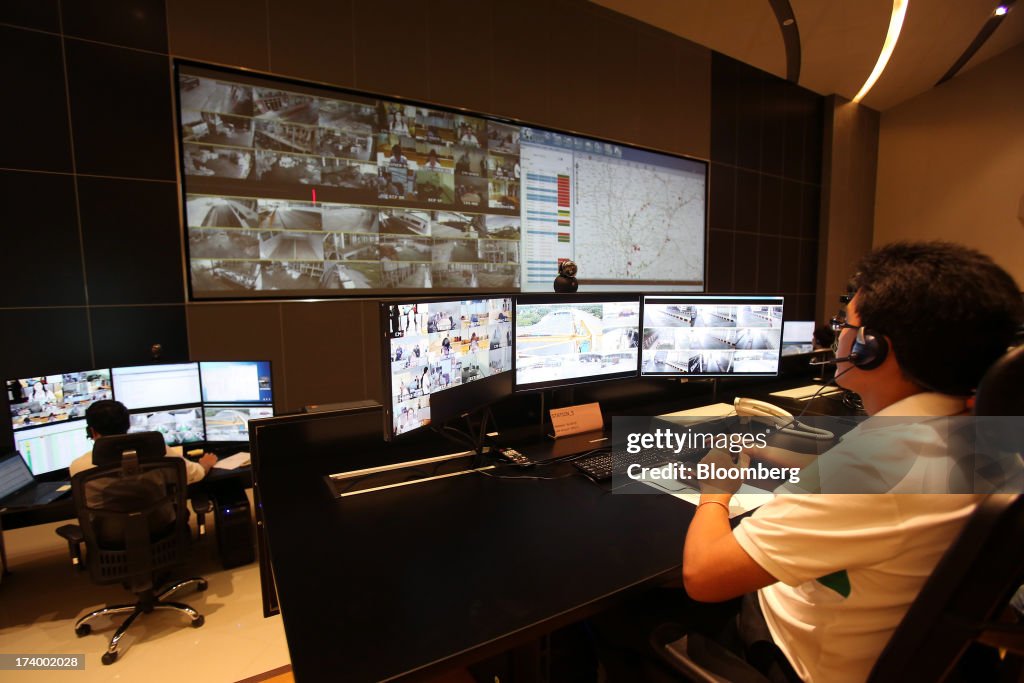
[576, 419]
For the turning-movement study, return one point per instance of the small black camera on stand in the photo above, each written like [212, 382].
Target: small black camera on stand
[566, 280]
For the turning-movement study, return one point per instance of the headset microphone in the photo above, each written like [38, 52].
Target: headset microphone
[852, 357]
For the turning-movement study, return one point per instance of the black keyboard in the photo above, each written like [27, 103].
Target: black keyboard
[603, 466]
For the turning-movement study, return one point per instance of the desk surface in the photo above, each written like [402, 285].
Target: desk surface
[410, 581]
[445, 572]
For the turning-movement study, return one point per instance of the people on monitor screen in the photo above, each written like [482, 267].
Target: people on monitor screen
[110, 418]
[828, 577]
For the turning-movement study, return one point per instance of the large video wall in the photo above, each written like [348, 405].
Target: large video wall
[295, 190]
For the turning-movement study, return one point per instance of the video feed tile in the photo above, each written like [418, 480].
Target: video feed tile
[181, 426]
[205, 211]
[434, 186]
[360, 180]
[350, 218]
[396, 248]
[403, 222]
[475, 251]
[450, 224]
[232, 424]
[291, 246]
[221, 162]
[470, 130]
[504, 227]
[471, 192]
[470, 161]
[354, 118]
[210, 95]
[288, 169]
[282, 136]
[217, 129]
[396, 275]
[351, 276]
[345, 144]
[271, 103]
[282, 214]
[54, 398]
[212, 276]
[502, 138]
[504, 194]
[223, 244]
[464, 275]
[351, 247]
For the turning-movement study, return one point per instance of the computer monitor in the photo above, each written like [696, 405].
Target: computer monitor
[37, 401]
[235, 392]
[162, 398]
[572, 339]
[797, 337]
[52, 447]
[444, 358]
[711, 336]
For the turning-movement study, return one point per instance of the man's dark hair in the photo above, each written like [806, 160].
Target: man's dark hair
[107, 417]
[949, 311]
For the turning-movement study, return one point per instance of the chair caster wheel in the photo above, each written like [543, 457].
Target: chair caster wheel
[196, 623]
[83, 630]
[201, 586]
[109, 657]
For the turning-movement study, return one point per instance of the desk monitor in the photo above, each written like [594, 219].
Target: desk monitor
[573, 338]
[711, 336]
[237, 381]
[162, 398]
[444, 358]
[797, 337]
[52, 447]
[37, 401]
[231, 422]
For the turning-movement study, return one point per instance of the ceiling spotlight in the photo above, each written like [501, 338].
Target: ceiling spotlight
[1001, 10]
[788, 22]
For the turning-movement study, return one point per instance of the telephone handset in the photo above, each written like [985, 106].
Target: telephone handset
[780, 419]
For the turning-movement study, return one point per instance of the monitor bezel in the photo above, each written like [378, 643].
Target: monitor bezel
[570, 298]
[320, 88]
[711, 298]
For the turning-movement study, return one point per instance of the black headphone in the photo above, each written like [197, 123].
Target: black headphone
[869, 350]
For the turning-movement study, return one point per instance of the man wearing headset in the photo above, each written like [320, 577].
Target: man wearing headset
[825, 579]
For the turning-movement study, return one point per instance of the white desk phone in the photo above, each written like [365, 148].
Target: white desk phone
[778, 418]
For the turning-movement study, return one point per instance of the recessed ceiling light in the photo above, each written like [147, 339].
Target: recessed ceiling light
[788, 22]
[1001, 10]
[899, 11]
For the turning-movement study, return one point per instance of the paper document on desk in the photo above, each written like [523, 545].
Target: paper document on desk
[233, 462]
[804, 393]
[711, 410]
[747, 498]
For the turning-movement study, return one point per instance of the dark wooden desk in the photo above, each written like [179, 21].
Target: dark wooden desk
[410, 581]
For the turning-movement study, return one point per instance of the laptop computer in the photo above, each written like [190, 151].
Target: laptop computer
[18, 488]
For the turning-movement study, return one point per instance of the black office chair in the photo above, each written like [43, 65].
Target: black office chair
[132, 515]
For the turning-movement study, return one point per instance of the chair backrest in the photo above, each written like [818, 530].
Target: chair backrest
[971, 584]
[147, 445]
[133, 518]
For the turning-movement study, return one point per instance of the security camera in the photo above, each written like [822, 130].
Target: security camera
[566, 280]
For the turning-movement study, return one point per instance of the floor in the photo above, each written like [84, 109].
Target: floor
[43, 596]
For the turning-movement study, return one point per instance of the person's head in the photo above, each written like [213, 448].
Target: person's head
[396, 151]
[432, 156]
[107, 418]
[945, 312]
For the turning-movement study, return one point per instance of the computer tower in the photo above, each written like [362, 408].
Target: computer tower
[233, 524]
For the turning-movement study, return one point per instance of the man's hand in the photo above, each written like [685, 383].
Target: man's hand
[207, 461]
[722, 460]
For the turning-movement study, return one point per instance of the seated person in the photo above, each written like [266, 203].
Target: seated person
[110, 418]
[828, 577]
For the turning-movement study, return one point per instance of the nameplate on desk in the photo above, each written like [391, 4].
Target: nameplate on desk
[576, 419]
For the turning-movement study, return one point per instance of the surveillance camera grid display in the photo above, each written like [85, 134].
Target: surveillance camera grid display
[178, 426]
[264, 164]
[37, 401]
[435, 346]
[231, 422]
[711, 336]
[559, 342]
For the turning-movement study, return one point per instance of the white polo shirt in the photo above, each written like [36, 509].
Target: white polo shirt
[194, 470]
[850, 565]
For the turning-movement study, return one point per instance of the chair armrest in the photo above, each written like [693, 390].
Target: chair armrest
[72, 533]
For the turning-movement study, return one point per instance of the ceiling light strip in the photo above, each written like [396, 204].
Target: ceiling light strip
[899, 11]
[986, 31]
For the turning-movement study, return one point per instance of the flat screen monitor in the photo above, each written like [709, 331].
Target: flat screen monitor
[37, 401]
[142, 387]
[797, 337]
[240, 381]
[296, 189]
[711, 336]
[572, 339]
[231, 422]
[444, 358]
[53, 446]
[179, 426]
